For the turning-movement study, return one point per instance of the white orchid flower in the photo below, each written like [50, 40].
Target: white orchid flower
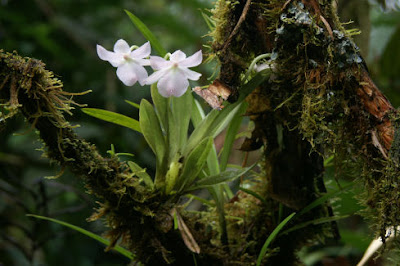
[129, 62]
[173, 74]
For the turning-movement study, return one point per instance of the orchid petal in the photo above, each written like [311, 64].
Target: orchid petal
[126, 75]
[158, 63]
[114, 58]
[193, 60]
[122, 47]
[173, 84]
[143, 62]
[140, 72]
[141, 52]
[177, 56]
[153, 78]
[190, 74]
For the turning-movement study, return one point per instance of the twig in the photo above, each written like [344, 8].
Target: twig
[327, 26]
[285, 5]
[240, 21]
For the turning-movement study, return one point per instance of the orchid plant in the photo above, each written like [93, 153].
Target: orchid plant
[184, 162]
[180, 160]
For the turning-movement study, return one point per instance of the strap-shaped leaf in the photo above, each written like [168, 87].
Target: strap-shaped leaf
[133, 104]
[197, 117]
[147, 34]
[211, 125]
[113, 117]
[100, 239]
[173, 134]
[151, 130]
[181, 108]
[222, 177]
[314, 222]
[197, 113]
[271, 237]
[321, 200]
[254, 194]
[230, 137]
[216, 120]
[194, 162]
[161, 105]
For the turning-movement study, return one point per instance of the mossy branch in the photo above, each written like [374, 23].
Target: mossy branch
[27, 87]
[139, 215]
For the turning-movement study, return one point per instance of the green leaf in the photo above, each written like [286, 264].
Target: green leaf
[194, 162]
[247, 88]
[210, 126]
[112, 117]
[104, 241]
[212, 162]
[133, 104]
[271, 237]
[323, 199]
[197, 118]
[204, 201]
[231, 136]
[147, 34]
[197, 113]
[151, 130]
[161, 104]
[328, 161]
[141, 173]
[216, 120]
[173, 135]
[315, 222]
[254, 194]
[222, 177]
[181, 108]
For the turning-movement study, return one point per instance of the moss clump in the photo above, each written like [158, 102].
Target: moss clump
[236, 39]
[323, 90]
[222, 17]
[29, 77]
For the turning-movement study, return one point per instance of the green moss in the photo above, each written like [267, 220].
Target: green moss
[319, 89]
[222, 16]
